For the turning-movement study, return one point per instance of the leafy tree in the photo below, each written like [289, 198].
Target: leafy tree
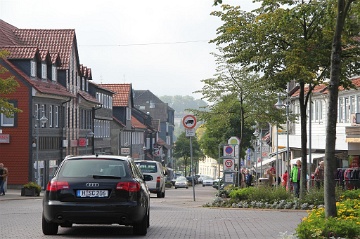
[239, 100]
[287, 40]
[182, 150]
[343, 47]
[8, 85]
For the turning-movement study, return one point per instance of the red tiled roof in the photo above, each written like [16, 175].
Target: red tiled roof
[318, 89]
[58, 40]
[21, 52]
[43, 86]
[7, 36]
[137, 124]
[122, 93]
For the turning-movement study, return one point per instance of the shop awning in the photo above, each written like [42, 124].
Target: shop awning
[313, 156]
[266, 162]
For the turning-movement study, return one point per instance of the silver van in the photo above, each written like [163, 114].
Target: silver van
[157, 171]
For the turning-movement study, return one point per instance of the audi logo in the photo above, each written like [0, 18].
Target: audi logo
[92, 185]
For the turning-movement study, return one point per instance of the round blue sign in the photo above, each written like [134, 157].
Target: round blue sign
[229, 150]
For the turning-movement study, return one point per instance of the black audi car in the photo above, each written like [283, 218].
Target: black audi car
[97, 189]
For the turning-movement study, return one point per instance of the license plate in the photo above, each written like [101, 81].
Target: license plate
[92, 193]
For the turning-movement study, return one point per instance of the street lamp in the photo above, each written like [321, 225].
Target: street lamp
[258, 136]
[279, 105]
[88, 135]
[40, 123]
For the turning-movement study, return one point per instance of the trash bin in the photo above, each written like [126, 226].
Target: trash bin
[263, 181]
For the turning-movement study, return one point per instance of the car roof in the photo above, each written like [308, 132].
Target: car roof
[101, 156]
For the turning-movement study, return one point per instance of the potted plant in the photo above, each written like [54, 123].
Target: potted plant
[31, 189]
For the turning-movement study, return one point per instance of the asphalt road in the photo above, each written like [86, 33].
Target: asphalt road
[175, 216]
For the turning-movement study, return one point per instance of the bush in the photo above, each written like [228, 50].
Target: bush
[33, 185]
[345, 225]
[264, 194]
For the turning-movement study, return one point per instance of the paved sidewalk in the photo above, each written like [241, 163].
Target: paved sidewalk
[15, 194]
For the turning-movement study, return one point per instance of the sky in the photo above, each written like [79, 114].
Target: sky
[159, 45]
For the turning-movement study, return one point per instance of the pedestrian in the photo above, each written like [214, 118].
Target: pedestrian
[243, 175]
[3, 177]
[248, 178]
[285, 179]
[319, 175]
[295, 177]
[270, 176]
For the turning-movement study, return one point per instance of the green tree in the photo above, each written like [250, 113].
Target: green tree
[8, 85]
[287, 40]
[182, 150]
[240, 99]
[342, 48]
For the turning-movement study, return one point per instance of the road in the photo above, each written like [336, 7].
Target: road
[175, 216]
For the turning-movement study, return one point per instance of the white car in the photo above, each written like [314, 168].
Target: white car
[156, 170]
[207, 181]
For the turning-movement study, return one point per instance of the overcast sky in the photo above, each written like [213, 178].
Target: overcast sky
[157, 45]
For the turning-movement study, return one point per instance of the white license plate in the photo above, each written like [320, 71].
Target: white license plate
[92, 193]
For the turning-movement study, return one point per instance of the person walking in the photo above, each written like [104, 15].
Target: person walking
[295, 177]
[3, 177]
[285, 179]
[248, 178]
[319, 175]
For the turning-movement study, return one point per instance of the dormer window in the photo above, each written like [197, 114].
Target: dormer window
[33, 69]
[54, 73]
[43, 71]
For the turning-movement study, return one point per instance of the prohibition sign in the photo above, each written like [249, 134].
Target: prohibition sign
[228, 163]
[189, 121]
[229, 150]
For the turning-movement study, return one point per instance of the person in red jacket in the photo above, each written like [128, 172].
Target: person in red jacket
[285, 177]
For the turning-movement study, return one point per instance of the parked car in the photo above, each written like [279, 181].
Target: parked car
[190, 181]
[218, 181]
[181, 182]
[156, 170]
[207, 181]
[97, 189]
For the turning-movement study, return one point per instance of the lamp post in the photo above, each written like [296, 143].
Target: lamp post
[39, 123]
[88, 135]
[279, 105]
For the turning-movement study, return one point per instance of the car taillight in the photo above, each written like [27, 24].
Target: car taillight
[158, 179]
[57, 185]
[128, 186]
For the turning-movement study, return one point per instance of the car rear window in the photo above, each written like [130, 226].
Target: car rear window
[147, 167]
[80, 168]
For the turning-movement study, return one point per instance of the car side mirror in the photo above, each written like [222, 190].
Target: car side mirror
[147, 177]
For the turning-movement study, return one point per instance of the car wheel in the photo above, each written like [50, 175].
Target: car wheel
[141, 227]
[159, 194]
[175, 187]
[49, 228]
[187, 187]
[203, 185]
[163, 194]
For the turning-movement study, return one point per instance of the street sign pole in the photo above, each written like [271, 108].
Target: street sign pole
[189, 122]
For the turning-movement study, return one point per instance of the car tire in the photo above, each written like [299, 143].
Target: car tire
[141, 227]
[175, 187]
[163, 194]
[187, 187]
[49, 228]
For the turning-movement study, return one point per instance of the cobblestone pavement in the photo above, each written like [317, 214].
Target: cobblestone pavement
[175, 216]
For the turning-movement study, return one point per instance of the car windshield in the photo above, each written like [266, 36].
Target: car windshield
[100, 168]
[180, 178]
[147, 167]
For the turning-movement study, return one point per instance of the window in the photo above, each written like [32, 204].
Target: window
[43, 71]
[56, 117]
[341, 110]
[51, 116]
[128, 113]
[7, 121]
[54, 73]
[33, 69]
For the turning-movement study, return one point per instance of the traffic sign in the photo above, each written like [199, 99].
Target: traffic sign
[189, 121]
[228, 150]
[190, 132]
[229, 164]
[234, 140]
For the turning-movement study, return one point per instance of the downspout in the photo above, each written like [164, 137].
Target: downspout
[93, 120]
[62, 129]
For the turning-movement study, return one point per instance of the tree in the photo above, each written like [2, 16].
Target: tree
[8, 85]
[286, 40]
[182, 149]
[337, 57]
[239, 100]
